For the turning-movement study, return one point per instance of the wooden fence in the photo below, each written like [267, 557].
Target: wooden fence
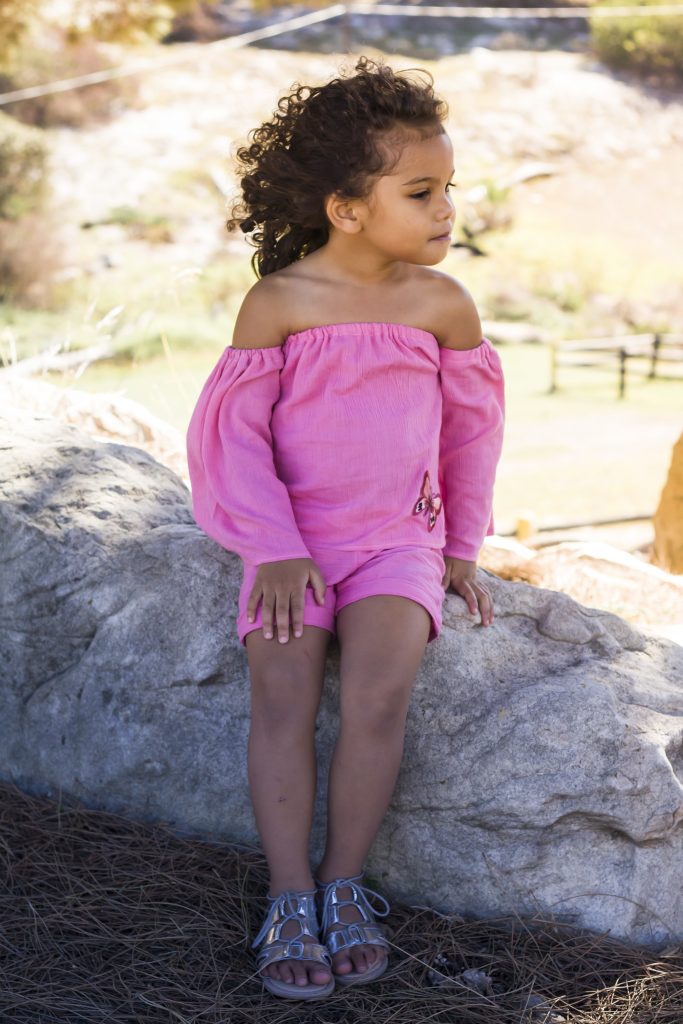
[642, 354]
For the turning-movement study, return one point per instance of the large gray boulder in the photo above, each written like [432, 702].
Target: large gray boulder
[543, 765]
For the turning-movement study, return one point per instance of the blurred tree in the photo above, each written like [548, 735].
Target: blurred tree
[16, 17]
[650, 45]
[125, 21]
[23, 159]
[120, 21]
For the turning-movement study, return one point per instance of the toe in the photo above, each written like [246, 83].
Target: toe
[360, 962]
[286, 973]
[342, 964]
[319, 975]
[300, 974]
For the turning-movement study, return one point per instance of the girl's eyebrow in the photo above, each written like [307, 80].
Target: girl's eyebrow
[415, 181]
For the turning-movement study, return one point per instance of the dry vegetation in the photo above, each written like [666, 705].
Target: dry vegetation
[107, 920]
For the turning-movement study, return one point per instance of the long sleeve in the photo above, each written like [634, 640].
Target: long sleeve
[470, 444]
[237, 496]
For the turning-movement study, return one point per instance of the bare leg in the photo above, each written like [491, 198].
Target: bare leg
[382, 641]
[286, 684]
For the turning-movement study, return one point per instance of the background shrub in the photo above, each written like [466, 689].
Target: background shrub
[649, 45]
[51, 56]
[119, 21]
[23, 156]
[31, 249]
[32, 254]
[16, 19]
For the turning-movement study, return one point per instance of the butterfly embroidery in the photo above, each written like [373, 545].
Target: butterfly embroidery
[428, 503]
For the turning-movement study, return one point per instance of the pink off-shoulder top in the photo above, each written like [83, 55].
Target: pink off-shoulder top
[355, 436]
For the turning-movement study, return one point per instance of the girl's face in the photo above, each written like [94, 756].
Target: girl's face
[409, 213]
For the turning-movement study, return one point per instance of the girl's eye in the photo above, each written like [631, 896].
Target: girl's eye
[425, 192]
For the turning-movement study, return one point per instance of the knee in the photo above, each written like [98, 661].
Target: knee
[281, 703]
[378, 710]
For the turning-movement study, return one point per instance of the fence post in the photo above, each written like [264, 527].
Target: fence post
[553, 369]
[655, 352]
[622, 372]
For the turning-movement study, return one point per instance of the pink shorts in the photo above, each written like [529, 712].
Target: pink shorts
[412, 572]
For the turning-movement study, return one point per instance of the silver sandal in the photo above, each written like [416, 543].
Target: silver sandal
[355, 933]
[299, 907]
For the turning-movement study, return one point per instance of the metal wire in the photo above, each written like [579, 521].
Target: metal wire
[336, 11]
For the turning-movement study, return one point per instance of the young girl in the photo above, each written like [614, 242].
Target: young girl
[345, 446]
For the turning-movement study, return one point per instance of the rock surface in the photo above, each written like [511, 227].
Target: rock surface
[594, 573]
[106, 417]
[668, 519]
[544, 756]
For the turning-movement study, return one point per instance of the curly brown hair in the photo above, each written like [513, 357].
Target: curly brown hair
[323, 140]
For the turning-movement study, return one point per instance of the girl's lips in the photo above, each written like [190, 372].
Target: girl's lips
[441, 238]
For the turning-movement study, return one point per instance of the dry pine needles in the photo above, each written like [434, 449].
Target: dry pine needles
[108, 921]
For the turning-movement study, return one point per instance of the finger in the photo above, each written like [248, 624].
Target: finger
[298, 603]
[268, 601]
[282, 616]
[470, 597]
[486, 606]
[484, 603]
[252, 603]
[319, 587]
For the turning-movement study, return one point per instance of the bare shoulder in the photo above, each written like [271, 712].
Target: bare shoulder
[456, 320]
[262, 319]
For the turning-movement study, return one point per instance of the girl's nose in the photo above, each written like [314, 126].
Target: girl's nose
[448, 206]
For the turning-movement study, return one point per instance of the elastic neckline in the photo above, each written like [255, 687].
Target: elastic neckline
[356, 326]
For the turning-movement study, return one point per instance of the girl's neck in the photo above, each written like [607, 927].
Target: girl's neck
[350, 261]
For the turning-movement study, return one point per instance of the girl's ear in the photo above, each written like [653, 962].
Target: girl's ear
[342, 213]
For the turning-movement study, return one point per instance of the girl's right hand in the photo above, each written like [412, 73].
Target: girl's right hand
[281, 585]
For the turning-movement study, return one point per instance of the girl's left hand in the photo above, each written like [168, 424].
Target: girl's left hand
[462, 577]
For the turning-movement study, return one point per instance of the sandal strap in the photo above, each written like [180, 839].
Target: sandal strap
[289, 906]
[293, 949]
[356, 934]
[358, 899]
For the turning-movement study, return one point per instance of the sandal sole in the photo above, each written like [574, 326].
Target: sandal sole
[355, 978]
[294, 992]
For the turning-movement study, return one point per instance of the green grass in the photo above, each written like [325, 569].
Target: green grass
[134, 337]
[582, 453]
[167, 384]
[191, 307]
